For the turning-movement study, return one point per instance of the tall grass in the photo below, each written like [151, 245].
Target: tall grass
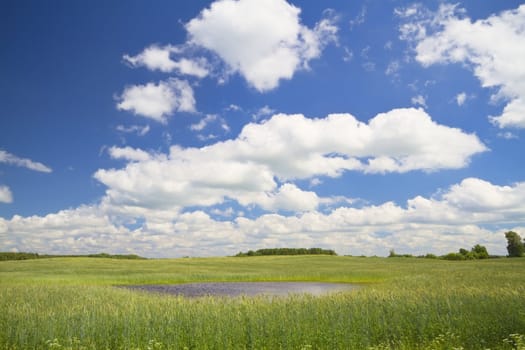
[406, 304]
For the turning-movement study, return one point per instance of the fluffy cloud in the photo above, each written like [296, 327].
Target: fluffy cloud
[288, 197]
[400, 140]
[462, 213]
[5, 195]
[158, 101]
[185, 178]
[494, 47]
[91, 229]
[262, 40]
[476, 195]
[156, 57]
[284, 148]
[423, 225]
[8, 158]
[128, 153]
[81, 230]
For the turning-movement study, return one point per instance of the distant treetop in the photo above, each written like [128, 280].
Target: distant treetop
[288, 251]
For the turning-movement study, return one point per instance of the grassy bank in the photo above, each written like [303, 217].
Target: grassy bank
[69, 303]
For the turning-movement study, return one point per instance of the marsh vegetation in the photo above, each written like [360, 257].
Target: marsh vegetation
[71, 303]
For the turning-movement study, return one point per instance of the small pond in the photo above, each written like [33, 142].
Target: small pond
[232, 289]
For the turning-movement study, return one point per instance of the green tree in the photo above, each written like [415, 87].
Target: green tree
[454, 256]
[480, 252]
[515, 247]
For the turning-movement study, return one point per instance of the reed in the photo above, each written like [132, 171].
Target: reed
[71, 303]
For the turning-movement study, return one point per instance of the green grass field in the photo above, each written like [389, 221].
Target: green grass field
[70, 303]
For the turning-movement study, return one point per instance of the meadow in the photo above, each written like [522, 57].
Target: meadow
[405, 303]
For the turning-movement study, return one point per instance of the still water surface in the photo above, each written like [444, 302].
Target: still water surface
[233, 289]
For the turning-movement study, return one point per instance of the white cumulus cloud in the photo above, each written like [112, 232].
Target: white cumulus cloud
[157, 57]
[460, 213]
[474, 194]
[494, 47]
[262, 40]
[249, 168]
[158, 101]
[5, 194]
[288, 197]
[128, 153]
[73, 231]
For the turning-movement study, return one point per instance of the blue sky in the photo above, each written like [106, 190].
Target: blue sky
[206, 128]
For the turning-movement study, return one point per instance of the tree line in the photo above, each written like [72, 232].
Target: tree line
[287, 251]
[27, 256]
[515, 248]
[477, 252]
